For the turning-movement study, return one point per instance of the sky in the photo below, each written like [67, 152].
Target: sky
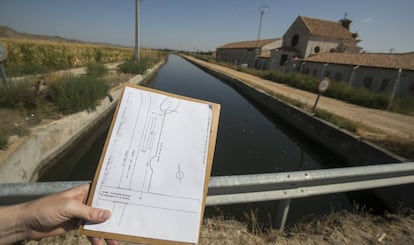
[383, 25]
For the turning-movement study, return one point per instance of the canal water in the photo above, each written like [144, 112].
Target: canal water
[249, 141]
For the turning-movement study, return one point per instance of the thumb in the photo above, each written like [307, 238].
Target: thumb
[90, 214]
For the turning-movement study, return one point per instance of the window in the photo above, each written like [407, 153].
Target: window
[317, 49]
[295, 40]
[368, 82]
[384, 84]
[338, 76]
[411, 89]
[306, 71]
[315, 72]
[283, 59]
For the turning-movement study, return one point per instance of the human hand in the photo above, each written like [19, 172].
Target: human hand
[53, 215]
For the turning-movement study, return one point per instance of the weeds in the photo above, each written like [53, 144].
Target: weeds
[17, 95]
[336, 120]
[254, 225]
[73, 94]
[3, 140]
[134, 67]
[96, 70]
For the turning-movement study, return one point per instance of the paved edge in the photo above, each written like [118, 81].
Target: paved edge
[25, 157]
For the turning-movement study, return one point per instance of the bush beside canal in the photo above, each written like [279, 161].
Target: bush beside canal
[49, 96]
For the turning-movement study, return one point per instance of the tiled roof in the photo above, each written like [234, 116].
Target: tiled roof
[404, 61]
[326, 28]
[248, 44]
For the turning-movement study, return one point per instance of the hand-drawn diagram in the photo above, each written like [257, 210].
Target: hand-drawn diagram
[142, 175]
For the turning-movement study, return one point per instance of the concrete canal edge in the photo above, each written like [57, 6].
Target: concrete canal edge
[25, 157]
[341, 142]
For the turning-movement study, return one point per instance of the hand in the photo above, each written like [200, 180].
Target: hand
[51, 215]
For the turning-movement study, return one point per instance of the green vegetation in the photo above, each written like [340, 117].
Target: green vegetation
[3, 140]
[25, 103]
[336, 120]
[337, 90]
[67, 94]
[17, 95]
[40, 56]
[148, 59]
[322, 114]
[96, 70]
[403, 105]
[134, 67]
[72, 94]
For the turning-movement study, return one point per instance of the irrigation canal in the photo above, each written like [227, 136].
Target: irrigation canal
[249, 141]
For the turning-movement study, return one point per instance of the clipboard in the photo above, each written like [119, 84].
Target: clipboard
[155, 167]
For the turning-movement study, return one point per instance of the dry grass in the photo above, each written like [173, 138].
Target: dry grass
[336, 228]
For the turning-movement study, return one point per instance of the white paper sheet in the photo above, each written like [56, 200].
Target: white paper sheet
[153, 172]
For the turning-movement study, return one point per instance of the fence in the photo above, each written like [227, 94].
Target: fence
[258, 187]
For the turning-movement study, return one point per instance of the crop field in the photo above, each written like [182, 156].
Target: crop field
[27, 56]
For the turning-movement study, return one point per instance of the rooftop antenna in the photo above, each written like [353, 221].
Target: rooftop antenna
[262, 9]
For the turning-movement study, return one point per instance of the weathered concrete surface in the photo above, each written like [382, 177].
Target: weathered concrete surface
[24, 158]
[343, 143]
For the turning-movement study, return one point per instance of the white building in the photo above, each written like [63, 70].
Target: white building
[326, 48]
[309, 36]
[250, 53]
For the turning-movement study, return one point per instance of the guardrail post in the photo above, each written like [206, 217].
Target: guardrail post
[282, 213]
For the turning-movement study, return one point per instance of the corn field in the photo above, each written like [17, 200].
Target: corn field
[27, 56]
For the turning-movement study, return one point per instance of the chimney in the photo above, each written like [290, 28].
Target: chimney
[346, 23]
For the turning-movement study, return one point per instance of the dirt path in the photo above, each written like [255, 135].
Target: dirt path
[381, 123]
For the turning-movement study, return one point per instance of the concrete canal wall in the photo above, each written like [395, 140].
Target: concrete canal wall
[343, 143]
[26, 156]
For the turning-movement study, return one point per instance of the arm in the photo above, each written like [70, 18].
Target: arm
[48, 216]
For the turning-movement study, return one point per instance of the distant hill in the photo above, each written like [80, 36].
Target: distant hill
[6, 31]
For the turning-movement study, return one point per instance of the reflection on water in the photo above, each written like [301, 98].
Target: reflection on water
[249, 141]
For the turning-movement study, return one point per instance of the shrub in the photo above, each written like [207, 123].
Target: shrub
[403, 105]
[134, 67]
[96, 69]
[338, 90]
[17, 95]
[3, 140]
[73, 94]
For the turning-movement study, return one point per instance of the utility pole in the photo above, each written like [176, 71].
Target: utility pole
[136, 53]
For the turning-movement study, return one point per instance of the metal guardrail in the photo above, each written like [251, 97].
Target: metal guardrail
[258, 187]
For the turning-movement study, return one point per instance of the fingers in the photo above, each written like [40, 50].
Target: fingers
[87, 213]
[99, 241]
[79, 193]
[112, 242]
